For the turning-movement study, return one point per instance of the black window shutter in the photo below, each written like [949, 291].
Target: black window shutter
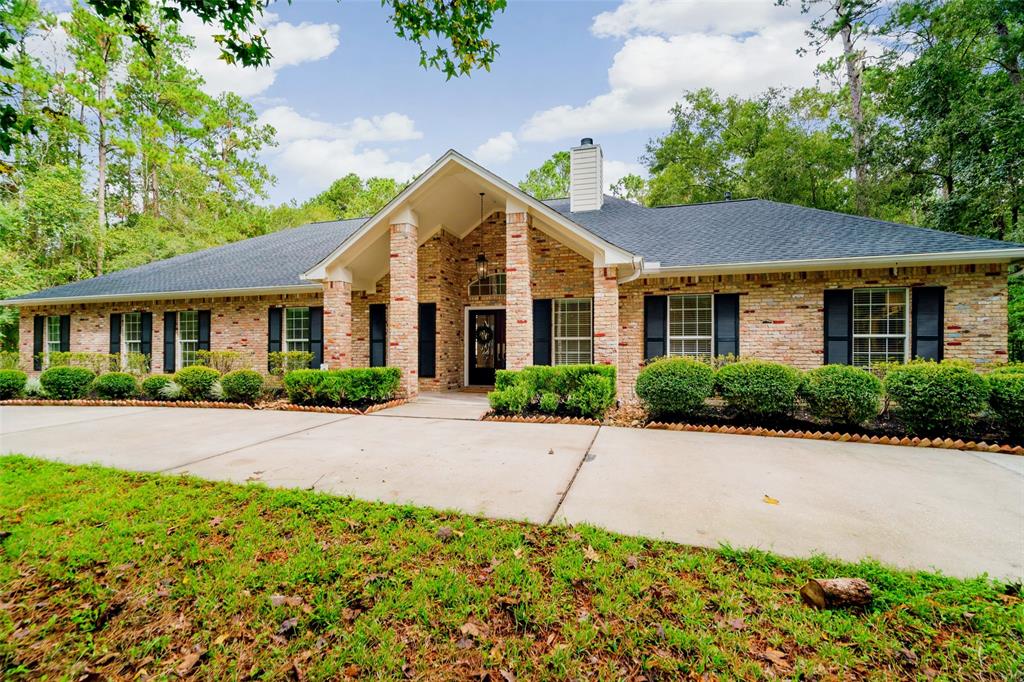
[204, 330]
[273, 332]
[38, 327]
[378, 334]
[115, 333]
[542, 331]
[838, 326]
[146, 347]
[65, 333]
[170, 332]
[316, 336]
[727, 324]
[428, 340]
[927, 322]
[655, 326]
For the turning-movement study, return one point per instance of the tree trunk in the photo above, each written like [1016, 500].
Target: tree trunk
[854, 65]
[101, 175]
[834, 593]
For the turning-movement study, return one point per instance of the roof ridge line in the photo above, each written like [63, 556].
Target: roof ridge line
[710, 203]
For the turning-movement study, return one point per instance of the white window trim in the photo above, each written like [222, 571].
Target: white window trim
[124, 336]
[684, 337]
[285, 341]
[906, 323]
[47, 338]
[491, 277]
[179, 355]
[554, 326]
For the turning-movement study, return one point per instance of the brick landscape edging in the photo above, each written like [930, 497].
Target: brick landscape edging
[538, 419]
[943, 443]
[287, 407]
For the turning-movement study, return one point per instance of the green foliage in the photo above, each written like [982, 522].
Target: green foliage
[842, 394]
[282, 362]
[137, 364]
[34, 388]
[1006, 397]
[675, 386]
[548, 402]
[338, 387]
[12, 383]
[67, 383]
[936, 398]
[1015, 308]
[152, 386]
[97, 363]
[116, 386]
[352, 197]
[758, 389]
[513, 399]
[224, 361]
[10, 360]
[242, 386]
[592, 396]
[550, 180]
[196, 382]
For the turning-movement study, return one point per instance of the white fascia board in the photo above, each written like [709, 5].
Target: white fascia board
[164, 295]
[613, 255]
[907, 260]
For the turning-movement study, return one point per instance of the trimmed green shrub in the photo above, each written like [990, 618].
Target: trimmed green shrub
[12, 383]
[548, 403]
[842, 394]
[675, 386]
[758, 389]
[9, 359]
[505, 378]
[936, 397]
[242, 386]
[342, 386]
[224, 361]
[97, 363]
[282, 362]
[196, 382]
[592, 395]
[511, 400]
[115, 386]
[67, 383]
[137, 364]
[151, 386]
[1006, 397]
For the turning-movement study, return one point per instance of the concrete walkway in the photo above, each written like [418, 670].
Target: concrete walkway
[961, 513]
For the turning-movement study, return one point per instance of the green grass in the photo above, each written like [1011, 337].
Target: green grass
[115, 574]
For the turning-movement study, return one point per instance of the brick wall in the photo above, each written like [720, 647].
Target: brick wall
[338, 324]
[236, 323]
[403, 311]
[518, 292]
[782, 314]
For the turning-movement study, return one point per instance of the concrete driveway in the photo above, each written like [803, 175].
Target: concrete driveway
[961, 513]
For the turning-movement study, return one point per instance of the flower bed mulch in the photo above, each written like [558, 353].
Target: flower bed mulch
[278, 405]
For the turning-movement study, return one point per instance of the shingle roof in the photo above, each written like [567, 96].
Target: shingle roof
[272, 260]
[758, 231]
[720, 233]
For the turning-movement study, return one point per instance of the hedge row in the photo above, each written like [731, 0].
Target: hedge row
[928, 397]
[342, 387]
[571, 390]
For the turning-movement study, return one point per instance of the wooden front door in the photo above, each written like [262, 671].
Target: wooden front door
[486, 339]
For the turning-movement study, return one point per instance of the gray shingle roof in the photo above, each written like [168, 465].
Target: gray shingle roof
[728, 232]
[272, 260]
[758, 231]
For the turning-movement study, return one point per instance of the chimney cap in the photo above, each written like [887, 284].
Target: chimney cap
[587, 140]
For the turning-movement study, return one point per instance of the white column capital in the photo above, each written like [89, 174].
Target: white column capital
[406, 216]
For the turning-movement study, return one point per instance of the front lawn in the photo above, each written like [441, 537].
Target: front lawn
[117, 575]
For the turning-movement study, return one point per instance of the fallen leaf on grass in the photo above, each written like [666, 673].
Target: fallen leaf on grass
[189, 662]
[591, 554]
[776, 658]
[508, 676]
[768, 499]
[282, 600]
[736, 623]
[471, 629]
[216, 521]
[287, 626]
[464, 643]
[632, 562]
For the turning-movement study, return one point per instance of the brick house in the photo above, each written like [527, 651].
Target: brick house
[463, 273]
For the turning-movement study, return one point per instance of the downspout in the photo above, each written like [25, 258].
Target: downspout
[638, 267]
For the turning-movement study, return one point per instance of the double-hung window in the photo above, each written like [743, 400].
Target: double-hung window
[188, 337]
[488, 285]
[131, 335]
[52, 336]
[879, 326]
[691, 325]
[574, 331]
[296, 329]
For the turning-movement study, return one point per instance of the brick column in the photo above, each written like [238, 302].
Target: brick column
[403, 312]
[518, 292]
[606, 316]
[338, 324]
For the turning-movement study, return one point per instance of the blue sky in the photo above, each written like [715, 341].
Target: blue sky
[347, 95]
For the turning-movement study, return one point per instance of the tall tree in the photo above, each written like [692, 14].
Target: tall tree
[550, 180]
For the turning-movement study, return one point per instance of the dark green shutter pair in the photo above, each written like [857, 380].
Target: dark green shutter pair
[427, 363]
[147, 333]
[726, 310]
[275, 329]
[38, 332]
[170, 336]
[926, 314]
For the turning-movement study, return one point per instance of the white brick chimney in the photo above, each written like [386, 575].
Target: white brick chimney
[586, 177]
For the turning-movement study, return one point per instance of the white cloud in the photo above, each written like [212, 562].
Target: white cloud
[290, 45]
[498, 149]
[317, 152]
[613, 171]
[672, 46]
